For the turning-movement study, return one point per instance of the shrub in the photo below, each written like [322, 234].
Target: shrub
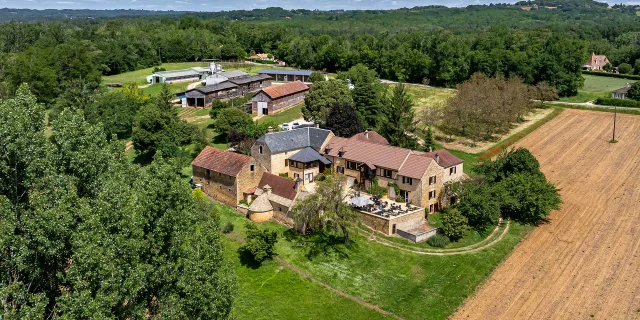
[285, 175]
[454, 224]
[228, 228]
[618, 102]
[376, 189]
[244, 202]
[438, 241]
[260, 243]
[158, 69]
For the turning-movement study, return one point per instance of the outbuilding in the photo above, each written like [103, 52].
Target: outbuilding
[278, 98]
[287, 75]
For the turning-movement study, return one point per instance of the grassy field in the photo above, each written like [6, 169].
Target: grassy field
[140, 76]
[409, 285]
[284, 116]
[426, 97]
[275, 292]
[597, 87]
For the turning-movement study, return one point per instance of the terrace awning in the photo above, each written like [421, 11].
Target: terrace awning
[361, 201]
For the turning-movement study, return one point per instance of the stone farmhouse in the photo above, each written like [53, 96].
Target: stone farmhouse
[273, 198]
[302, 154]
[274, 152]
[364, 158]
[278, 98]
[225, 175]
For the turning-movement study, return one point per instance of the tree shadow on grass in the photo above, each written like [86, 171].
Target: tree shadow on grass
[247, 260]
[319, 243]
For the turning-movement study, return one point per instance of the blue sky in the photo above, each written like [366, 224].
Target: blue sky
[225, 5]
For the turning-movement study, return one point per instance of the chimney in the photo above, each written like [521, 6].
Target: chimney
[437, 158]
[267, 189]
[270, 129]
[296, 186]
[366, 134]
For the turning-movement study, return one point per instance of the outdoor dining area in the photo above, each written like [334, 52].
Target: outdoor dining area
[373, 204]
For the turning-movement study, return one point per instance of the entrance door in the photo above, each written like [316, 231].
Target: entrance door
[262, 108]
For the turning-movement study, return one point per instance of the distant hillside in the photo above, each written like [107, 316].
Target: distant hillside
[30, 15]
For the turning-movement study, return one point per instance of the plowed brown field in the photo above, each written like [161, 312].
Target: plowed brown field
[584, 263]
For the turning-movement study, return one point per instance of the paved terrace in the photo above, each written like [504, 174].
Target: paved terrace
[391, 217]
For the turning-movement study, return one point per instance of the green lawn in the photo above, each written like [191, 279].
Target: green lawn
[409, 285]
[275, 292]
[140, 76]
[597, 87]
[284, 116]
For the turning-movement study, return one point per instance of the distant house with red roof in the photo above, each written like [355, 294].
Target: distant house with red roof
[277, 98]
[595, 62]
[225, 175]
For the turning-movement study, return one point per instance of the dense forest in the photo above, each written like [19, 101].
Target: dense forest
[443, 46]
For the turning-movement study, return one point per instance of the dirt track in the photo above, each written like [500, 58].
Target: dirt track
[585, 263]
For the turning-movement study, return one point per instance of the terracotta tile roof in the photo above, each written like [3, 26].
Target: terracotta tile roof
[408, 163]
[225, 162]
[370, 136]
[279, 186]
[286, 89]
[415, 166]
[385, 156]
[445, 158]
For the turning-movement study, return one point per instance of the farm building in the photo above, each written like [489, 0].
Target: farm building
[191, 74]
[218, 77]
[275, 99]
[251, 83]
[225, 175]
[232, 88]
[288, 75]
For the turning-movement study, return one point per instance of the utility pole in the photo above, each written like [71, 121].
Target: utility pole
[615, 113]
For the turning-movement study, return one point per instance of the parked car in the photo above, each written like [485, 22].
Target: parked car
[295, 125]
[195, 185]
[285, 126]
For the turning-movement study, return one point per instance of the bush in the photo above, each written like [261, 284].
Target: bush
[438, 241]
[260, 243]
[376, 189]
[228, 228]
[612, 75]
[158, 69]
[618, 102]
[454, 224]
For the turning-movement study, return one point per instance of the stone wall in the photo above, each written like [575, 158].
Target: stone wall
[220, 187]
[263, 158]
[247, 179]
[385, 225]
[459, 173]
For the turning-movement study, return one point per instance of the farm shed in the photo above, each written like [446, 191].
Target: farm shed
[287, 75]
[191, 74]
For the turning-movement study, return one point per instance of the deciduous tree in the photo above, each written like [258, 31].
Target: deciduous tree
[325, 209]
[322, 97]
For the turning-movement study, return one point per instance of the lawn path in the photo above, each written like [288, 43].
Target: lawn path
[357, 300]
[454, 251]
[306, 275]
